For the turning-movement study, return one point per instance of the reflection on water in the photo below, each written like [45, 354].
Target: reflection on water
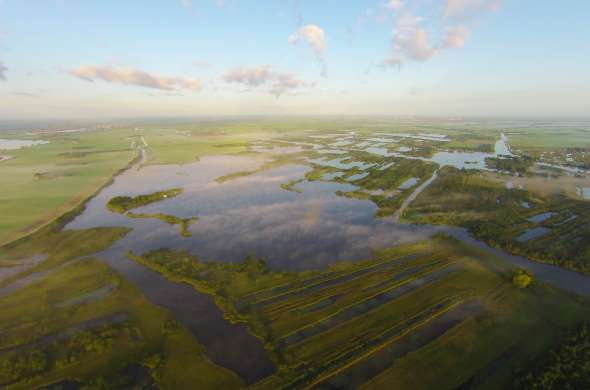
[584, 192]
[411, 182]
[340, 164]
[13, 144]
[250, 215]
[459, 160]
[542, 217]
[531, 234]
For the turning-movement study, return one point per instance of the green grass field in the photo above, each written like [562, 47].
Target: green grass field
[43, 182]
[436, 304]
[498, 215]
[82, 322]
[431, 315]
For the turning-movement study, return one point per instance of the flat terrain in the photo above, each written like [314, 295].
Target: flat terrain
[117, 292]
[42, 182]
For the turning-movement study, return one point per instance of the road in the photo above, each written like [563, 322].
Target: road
[413, 196]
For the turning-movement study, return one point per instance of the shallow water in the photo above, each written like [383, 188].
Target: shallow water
[584, 192]
[249, 215]
[409, 183]
[339, 164]
[20, 266]
[14, 144]
[532, 234]
[542, 217]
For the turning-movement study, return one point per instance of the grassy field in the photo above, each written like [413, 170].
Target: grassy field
[77, 320]
[41, 183]
[434, 314]
[500, 216]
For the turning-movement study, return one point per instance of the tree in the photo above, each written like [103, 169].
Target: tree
[521, 278]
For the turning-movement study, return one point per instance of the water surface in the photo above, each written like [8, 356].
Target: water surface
[14, 144]
[249, 215]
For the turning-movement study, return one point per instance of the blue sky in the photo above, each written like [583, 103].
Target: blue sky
[87, 59]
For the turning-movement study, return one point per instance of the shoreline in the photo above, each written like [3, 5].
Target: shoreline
[67, 216]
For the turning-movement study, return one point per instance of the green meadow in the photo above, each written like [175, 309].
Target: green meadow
[433, 314]
[43, 182]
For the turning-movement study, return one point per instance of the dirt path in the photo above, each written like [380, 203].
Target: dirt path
[413, 196]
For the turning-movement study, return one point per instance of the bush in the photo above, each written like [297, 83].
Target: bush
[521, 278]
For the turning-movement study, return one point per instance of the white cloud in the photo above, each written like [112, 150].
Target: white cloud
[410, 40]
[395, 5]
[461, 7]
[314, 35]
[3, 70]
[456, 37]
[418, 39]
[274, 82]
[252, 77]
[132, 76]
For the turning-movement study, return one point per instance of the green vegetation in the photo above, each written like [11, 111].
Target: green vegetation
[522, 278]
[275, 162]
[325, 324]
[510, 164]
[433, 314]
[184, 223]
[290, 186]
[29, 200]
[60, 247]
[389, 181]
[122, 204]
[564, 368]
[496, 215]
[103, 342]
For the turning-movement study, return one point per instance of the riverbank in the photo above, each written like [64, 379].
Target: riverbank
[28, 205]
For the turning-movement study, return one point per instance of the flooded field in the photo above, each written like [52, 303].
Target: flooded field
[295, 264]
[249, 215]
[14, 144]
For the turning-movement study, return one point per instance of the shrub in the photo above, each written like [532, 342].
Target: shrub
[521, 278]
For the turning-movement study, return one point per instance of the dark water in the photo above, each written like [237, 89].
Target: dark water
[228, 345]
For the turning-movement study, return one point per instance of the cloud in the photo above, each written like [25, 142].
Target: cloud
[3, 70]
[418, 39]
[315, 36]
[274, 82]
[462, 7]
[395, 5]
[416, 45]
[410, 41]
[252, 77]
[456, 37]
[132, 76]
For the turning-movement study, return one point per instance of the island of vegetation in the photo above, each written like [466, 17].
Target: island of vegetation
[184, 223]
[123, 204]
[338, 324]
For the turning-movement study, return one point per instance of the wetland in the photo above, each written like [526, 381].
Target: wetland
[322, 259]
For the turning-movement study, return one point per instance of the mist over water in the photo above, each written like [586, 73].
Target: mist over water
[249, 215]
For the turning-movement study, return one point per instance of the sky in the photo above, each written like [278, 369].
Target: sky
[451, 58]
